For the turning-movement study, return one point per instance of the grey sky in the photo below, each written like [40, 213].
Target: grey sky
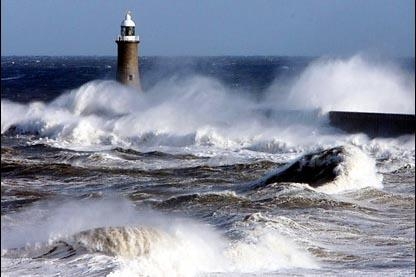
[214, 27]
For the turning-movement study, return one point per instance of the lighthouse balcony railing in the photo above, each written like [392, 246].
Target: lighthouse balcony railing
[127, 38]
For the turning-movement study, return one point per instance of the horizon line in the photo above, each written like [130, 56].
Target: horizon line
[201, 56]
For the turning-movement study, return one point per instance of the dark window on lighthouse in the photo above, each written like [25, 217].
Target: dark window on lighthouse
[130, 77]
[127, 31]
[130, 31]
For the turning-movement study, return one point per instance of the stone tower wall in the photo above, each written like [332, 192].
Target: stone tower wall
[128, 63]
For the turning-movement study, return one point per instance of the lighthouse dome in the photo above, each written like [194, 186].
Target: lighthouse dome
[127, 30]
[128, 22]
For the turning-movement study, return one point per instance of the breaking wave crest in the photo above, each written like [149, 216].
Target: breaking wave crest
[201, 111]
[157, 245]
[198, 111]
[120, 241]
[334, 170]
[356, 171]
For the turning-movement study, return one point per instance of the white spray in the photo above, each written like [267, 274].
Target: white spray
[200, 111]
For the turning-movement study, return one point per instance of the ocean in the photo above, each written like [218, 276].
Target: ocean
[98, 179]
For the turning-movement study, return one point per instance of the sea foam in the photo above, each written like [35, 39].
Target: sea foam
[356, 171]
[201, 111]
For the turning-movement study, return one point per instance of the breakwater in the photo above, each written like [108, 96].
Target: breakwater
[373, 124]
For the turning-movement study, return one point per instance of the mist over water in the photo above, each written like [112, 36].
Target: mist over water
[199, 110]
[353, 84]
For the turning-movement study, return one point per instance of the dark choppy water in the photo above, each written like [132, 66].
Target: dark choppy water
[98, 179]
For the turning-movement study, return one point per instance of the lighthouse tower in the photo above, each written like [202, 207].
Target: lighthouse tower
[127, 54]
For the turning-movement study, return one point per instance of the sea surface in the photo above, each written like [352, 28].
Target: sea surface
[98, 179]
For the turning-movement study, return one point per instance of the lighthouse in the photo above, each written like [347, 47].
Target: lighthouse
[127, 54]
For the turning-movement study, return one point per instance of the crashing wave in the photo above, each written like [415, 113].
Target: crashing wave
[126, 241]
[332, 170]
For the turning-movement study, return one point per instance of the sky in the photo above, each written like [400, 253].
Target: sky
[211, 28]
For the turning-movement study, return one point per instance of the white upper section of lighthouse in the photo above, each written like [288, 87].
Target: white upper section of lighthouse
[128, 32]
[128, 22]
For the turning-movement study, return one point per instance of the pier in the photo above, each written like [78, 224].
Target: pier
[373, 124]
